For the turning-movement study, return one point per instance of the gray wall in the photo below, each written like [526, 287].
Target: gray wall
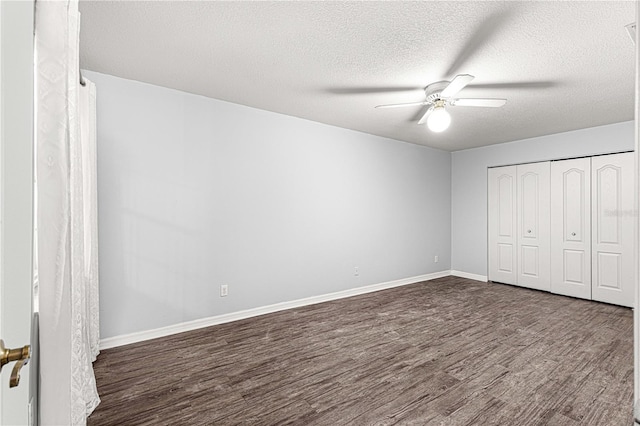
[195, 193]
[469, 181]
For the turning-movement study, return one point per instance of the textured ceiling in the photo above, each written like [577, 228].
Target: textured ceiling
[561, 65]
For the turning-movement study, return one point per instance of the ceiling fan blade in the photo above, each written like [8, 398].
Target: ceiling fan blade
[425, 116]
[456, 85]
[402, 105]
[370, 90]
[518, 85]
[482, 35]
[492, 103]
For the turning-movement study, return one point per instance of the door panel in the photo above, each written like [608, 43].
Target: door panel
[608, 194]
[505, 258]
[571, 227]
[533, 225]
[609, 270]
[16, 180]
[573, 265]
[530, 262]
[529, 195]
[502, 223]
[613, 228]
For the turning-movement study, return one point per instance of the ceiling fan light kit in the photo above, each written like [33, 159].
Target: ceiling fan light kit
[442, 93]
[439, 119]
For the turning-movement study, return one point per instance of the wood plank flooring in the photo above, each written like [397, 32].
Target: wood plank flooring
[445, 352]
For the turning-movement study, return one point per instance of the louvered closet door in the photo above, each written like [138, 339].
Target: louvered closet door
[502, 224]
[533, 226]
[613, 228]
[571, 227]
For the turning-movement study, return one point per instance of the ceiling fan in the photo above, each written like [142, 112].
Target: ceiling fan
[441, 94]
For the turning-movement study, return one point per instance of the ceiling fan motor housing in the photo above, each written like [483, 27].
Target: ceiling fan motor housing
[432, 91]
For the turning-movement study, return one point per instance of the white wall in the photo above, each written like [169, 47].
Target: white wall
[195, 193]
[469, 181]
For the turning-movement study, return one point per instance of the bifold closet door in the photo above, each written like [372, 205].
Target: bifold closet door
[533, 229]
[571, 227]
[502, 224]
[612, 216]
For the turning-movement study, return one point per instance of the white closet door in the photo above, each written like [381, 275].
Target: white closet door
[502, 224]
[612, 216]
[533, 226]
[571, 227]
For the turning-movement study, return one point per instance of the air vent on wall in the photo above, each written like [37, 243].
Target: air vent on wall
[631, 29]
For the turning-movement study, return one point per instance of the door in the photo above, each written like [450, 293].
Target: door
[502, 224]
[612, 215]
[16, 182]
[533, 228]
[571, 227]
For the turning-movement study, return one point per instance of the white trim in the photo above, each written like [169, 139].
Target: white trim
[2, 142]
[470, 276]
[636, 312]
[125, 339]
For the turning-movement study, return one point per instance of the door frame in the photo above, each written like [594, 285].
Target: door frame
[636, 314]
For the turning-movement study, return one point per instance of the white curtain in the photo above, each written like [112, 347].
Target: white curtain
[66, 275]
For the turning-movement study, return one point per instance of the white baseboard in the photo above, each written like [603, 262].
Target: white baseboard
[470, 276]
[140, 336]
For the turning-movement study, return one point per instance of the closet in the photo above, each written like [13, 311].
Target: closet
[564, 226]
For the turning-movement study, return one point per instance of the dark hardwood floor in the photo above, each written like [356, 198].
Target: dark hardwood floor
[445, 352]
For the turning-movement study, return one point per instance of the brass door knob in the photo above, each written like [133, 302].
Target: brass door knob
[21, 355]
[14, 380]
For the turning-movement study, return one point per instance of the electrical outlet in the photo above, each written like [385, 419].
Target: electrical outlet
[356, 271]
[435, 259]
[224, 290]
